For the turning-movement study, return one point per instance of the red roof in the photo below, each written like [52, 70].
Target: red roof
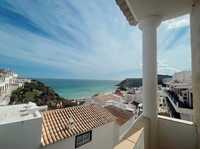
[56, 123]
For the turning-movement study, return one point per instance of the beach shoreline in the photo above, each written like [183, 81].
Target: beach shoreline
[80, 89]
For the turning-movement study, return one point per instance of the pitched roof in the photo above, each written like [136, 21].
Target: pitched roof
[126, 11]
[56, 123]
[102, 98]
[122, 115]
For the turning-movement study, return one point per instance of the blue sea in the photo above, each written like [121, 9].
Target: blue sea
[73, 89]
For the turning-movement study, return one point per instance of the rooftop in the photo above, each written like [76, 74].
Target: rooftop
[63, 123]
[17, 113]
[102, 98]
[122, 115]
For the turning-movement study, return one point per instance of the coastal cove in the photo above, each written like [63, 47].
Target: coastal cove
[76, 88]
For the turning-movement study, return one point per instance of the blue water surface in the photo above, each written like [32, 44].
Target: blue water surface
[72, 89]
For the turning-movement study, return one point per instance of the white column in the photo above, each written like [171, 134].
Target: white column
[195, 47]
[149, 29]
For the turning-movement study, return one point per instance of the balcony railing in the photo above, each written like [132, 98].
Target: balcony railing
[172, 133]
[176, 100]
[177, 106]
[133, 137]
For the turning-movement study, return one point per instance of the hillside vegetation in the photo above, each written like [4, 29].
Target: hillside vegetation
[39, 93]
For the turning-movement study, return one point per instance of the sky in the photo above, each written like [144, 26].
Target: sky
[79, 40]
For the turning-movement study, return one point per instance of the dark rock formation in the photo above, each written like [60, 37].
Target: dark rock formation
[137, 82]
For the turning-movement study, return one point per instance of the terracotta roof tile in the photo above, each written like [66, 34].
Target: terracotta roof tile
[56, 123]
[122, 115]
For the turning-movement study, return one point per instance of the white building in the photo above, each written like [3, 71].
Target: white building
[20, 129]
[179, 94]
[9, 81]
[83, 127]
[183, 76]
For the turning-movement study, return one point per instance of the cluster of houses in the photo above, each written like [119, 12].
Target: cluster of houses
[174, 98]
[101, 122]
[7, 78]
[9, 81]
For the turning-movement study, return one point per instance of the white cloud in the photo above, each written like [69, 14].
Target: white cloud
[91, 40]
[179, 22]
[165, 68]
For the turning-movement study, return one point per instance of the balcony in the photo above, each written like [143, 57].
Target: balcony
[172, 134]
[134, 136]
[161, 132]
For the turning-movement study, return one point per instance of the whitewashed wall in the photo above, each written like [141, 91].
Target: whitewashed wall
[183, 76]
[126, 126]
[21, 135]
[104, 137]
[176, 134]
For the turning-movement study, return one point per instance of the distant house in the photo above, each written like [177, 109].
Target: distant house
[122, 115]
[7, 79]
[103, 98]
[118, 92]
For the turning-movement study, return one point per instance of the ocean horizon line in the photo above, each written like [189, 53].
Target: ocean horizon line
[72, 79]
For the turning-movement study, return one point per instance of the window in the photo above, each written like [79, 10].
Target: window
[83, 139]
